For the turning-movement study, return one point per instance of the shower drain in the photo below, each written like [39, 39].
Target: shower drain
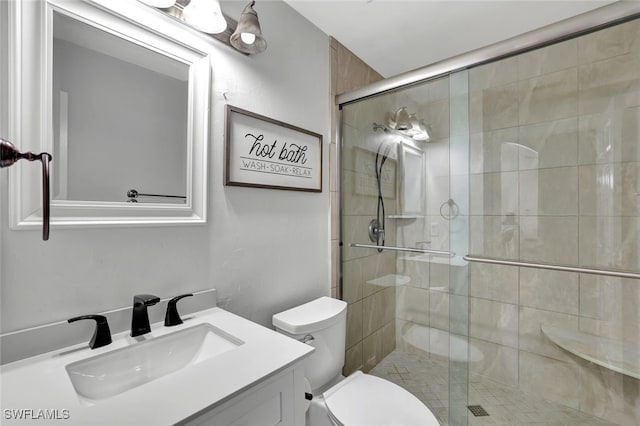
[477, 410]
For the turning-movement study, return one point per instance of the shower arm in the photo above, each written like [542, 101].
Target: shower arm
[9, 155]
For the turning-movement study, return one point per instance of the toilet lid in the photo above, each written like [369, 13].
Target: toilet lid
[364, 400]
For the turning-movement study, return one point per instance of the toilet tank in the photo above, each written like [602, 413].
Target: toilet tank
[325, 320]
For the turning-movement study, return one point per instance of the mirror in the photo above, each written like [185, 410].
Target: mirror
[121, 104]
[123, 109]
[411, 179]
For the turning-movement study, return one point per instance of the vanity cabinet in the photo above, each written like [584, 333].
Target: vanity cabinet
[216, 368]
[276, 401]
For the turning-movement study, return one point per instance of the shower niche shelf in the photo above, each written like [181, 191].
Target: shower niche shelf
[390, 280]
[444, 260]
[405, 216]
[616, 355]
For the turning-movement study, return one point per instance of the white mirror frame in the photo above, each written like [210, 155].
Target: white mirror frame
[30, 118]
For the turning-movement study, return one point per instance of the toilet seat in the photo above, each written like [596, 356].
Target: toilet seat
[364, 400]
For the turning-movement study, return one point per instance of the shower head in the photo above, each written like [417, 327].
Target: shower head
[377, 127]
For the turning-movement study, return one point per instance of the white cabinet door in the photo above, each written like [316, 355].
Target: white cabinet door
[271, 403]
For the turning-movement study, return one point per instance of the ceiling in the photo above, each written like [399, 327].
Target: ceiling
[395, 36]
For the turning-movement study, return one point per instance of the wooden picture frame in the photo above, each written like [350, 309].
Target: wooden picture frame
[364, 182]
[261, 152]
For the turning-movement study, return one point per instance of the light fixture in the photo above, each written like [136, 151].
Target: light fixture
[418, 129]
[405, 124]
[401, 120]
[205, 15]
[423, 132]
[162, 4]
[415, 125]
[247, 37]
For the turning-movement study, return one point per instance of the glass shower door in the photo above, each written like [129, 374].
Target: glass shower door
[456, 211]
[554, 179]
[402, 213]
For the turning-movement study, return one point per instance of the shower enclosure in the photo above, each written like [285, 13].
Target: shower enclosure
[491, 229]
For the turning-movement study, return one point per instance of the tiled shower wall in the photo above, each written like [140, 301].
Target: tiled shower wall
[348, 72]
[370, 312]
[368, 276]
[555, 178]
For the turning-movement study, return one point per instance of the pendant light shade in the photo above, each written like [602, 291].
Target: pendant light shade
[247, 37]
[415, 125]
[423, 133]
[401, 120]
[205, 15]
[403, 123]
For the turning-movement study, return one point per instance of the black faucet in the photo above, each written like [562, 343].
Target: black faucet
[172, 317]
[101, 335]
[140, 317]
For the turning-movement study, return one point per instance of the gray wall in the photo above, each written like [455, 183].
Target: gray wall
[264, 250]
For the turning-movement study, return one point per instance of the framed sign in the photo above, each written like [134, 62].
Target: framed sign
[365, 182]
[266, 153]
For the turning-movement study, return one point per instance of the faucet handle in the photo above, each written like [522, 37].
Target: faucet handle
[139, 316]
[102, 335]
[172, 317]
[145, 299]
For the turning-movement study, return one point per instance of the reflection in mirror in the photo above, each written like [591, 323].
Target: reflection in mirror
[412, 183]
[119, 115]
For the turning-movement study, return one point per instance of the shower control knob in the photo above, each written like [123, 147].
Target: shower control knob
[376, 231]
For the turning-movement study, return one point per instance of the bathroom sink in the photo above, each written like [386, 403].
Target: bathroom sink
[120, 370]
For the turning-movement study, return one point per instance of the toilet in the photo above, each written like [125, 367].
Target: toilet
[357, 400]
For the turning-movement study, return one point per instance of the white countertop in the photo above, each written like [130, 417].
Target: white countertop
[42, 382]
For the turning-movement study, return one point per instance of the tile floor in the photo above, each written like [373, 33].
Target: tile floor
[428, 380]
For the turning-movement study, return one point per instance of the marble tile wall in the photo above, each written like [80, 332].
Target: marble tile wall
[555, 164]
[348, 72]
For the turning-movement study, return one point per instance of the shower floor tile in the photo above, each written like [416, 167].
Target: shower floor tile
[428, 380]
